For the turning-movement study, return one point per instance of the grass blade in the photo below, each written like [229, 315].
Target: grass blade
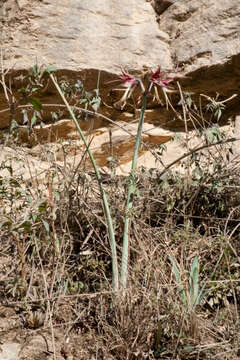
[103, 193]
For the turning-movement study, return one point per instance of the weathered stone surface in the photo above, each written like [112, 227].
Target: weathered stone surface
[205, 43]
[81, 34]
[122, 142]
[80, 38]
[120, 146]
[9, 351]
[199, 39]
[34, 165]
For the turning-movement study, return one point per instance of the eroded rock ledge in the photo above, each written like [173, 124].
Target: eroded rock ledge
[196, 41]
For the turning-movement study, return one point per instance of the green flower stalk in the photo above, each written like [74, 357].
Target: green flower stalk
[130, 82]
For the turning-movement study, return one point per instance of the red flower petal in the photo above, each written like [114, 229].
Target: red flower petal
[157, 78]
[157, 75]
[128, 79]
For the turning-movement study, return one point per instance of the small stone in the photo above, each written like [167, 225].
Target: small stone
[9, 351]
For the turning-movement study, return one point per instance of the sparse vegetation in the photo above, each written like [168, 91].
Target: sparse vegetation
[183, 290]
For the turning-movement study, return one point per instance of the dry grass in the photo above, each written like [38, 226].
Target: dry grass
[56, 264]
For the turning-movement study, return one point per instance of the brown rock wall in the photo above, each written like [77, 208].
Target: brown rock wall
[198, 39]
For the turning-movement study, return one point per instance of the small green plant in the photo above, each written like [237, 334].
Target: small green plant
[190, 296]
[77, 93]
[216, 107]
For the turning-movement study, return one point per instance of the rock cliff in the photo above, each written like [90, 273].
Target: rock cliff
[196, 41]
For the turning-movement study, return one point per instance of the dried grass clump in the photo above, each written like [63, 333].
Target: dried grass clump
[61, 278]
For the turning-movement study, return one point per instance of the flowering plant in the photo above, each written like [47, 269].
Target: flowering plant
[157, 79]
[131, 82]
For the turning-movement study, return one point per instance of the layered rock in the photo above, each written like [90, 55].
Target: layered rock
[205, 43]
[77, 35]
[197, 41]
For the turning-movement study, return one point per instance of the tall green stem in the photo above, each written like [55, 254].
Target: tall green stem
[130, 196]
[104, 196]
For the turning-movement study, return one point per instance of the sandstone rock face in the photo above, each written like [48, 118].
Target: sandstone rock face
[99, 34]
[197, 39]
[205, 43]
[203, 32]
[10, 351]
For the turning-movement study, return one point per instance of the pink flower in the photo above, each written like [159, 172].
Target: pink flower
[128, 80]
[158, 78]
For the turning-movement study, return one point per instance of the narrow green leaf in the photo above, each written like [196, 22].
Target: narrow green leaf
[35, 69]
[50, 68]
[178, 279]
[54, 115]
[46, 225]
[175, 269]
[14, 125]
[34, 119]
[26, 225]
[25, 117]
[96, 104]
[188, 349]
[202, 294]
[22, 91]
[36, 103]
[194, 281]
[42, 206]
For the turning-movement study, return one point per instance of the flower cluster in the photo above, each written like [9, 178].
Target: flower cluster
[158, 78]
[130, 82]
